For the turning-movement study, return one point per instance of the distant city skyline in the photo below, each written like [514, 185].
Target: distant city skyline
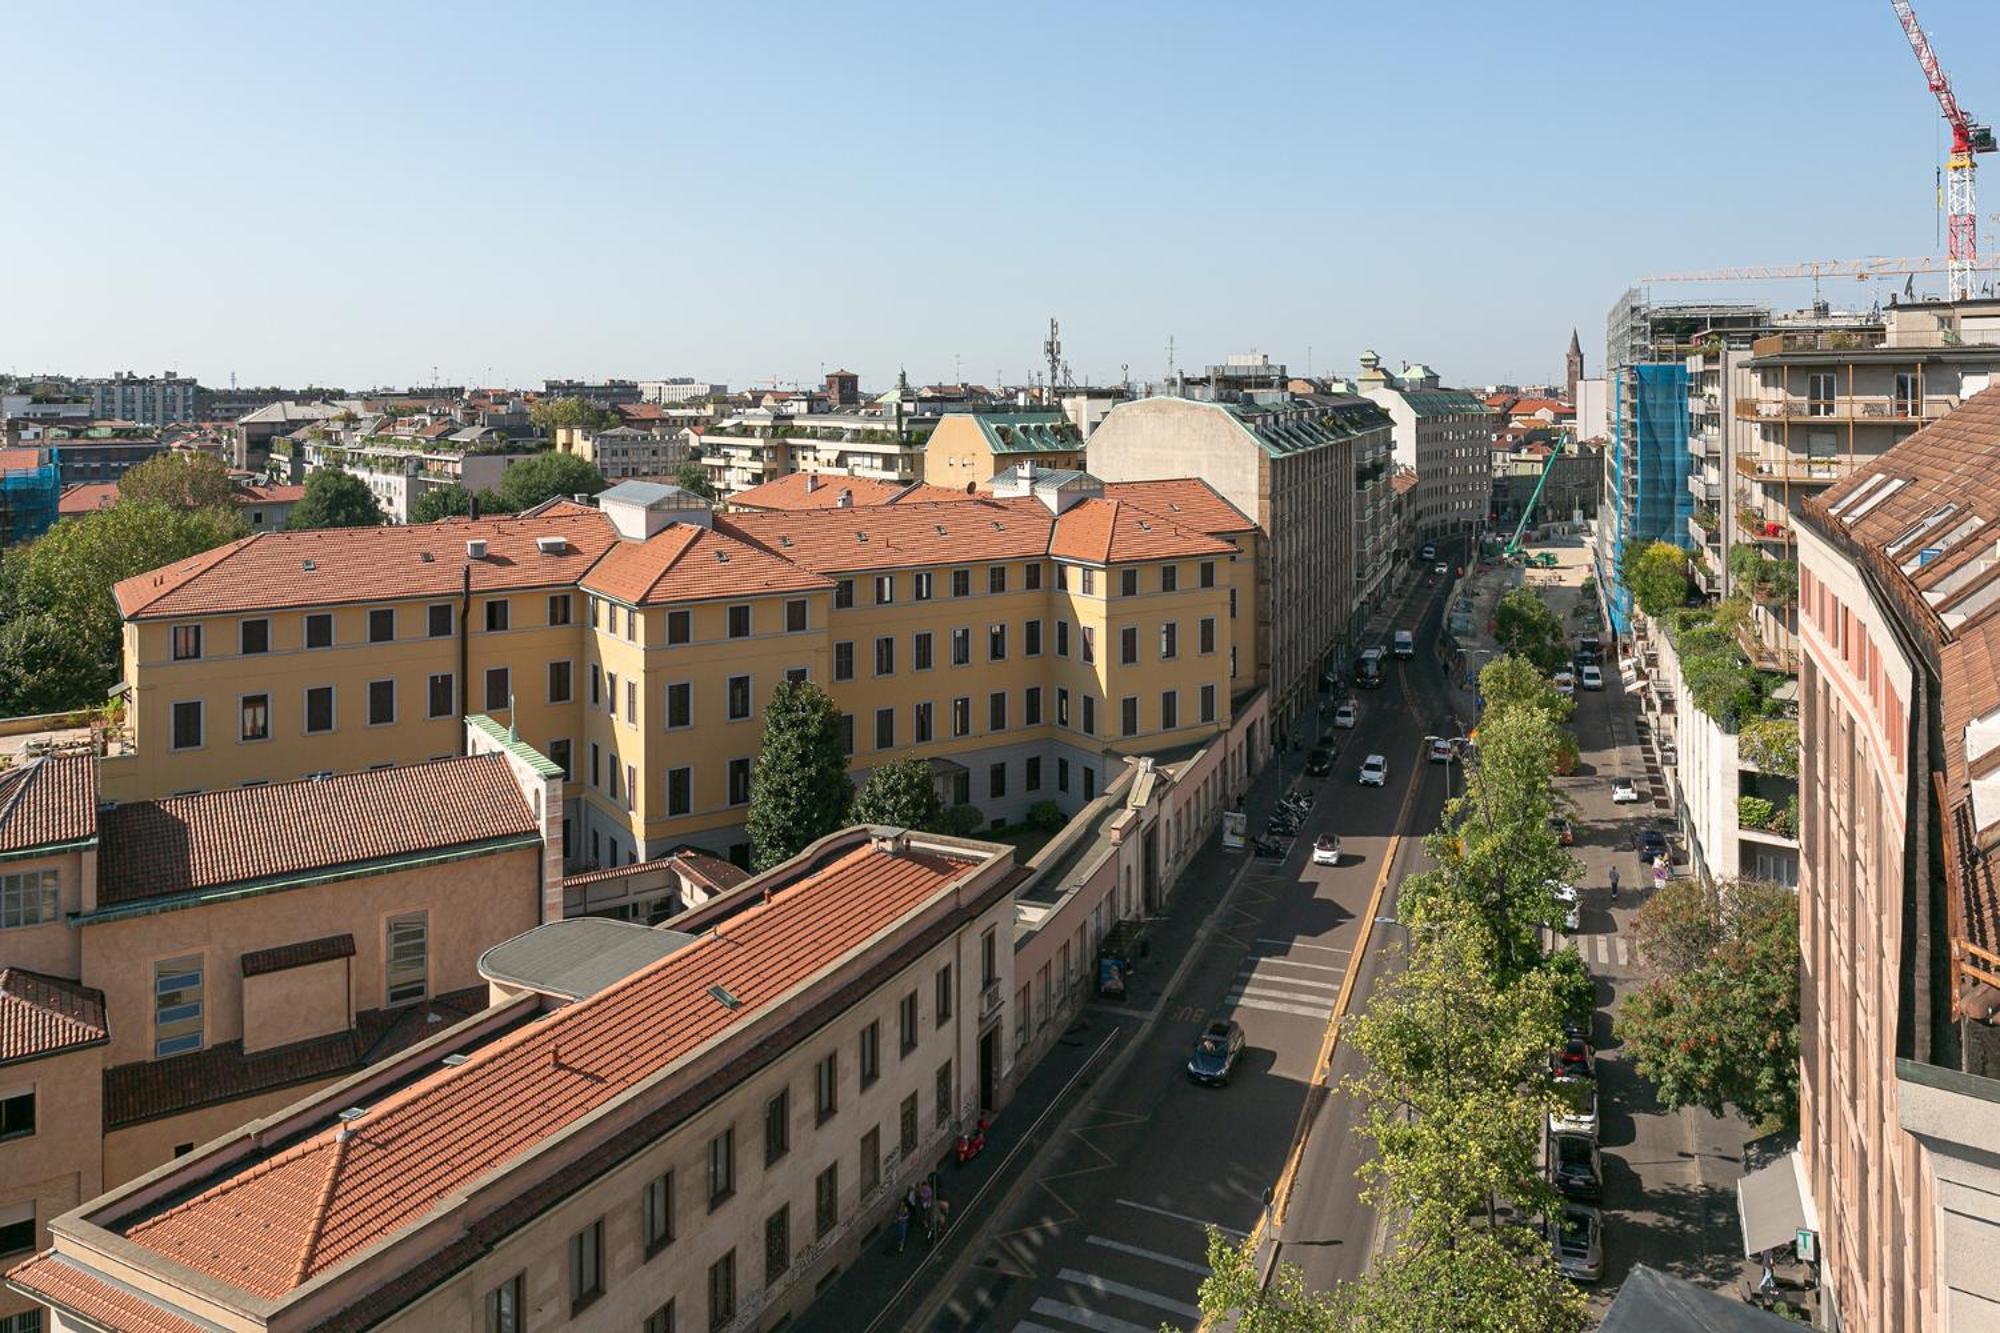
[356, 197]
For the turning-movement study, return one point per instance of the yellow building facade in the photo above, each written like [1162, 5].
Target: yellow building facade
[1022, 643]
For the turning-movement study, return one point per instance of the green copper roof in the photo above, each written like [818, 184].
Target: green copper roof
[1282, 434]
[1028, 432]
[1443, 402]
[514, 745]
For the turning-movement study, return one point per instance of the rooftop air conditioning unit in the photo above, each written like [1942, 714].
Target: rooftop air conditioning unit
[475, 549]
[551, 545]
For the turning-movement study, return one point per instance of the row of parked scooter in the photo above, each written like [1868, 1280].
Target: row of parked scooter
[1286, 819]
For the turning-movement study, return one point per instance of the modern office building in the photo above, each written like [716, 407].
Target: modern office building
[688, 1127]
[1900, 890]
[679, 389]
[1295, 466]
[1446, 436]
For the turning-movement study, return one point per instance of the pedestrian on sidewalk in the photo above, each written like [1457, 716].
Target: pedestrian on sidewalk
[1614, 884]
[926, 1196]
[902, 1223]
[940, 1214]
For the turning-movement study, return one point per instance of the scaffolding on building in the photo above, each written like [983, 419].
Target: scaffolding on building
[28, 499]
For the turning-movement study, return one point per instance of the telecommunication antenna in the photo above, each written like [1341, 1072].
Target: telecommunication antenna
[1052, 349]
[1170, 356]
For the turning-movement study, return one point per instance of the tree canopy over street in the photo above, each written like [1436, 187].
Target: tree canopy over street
[1524, 626]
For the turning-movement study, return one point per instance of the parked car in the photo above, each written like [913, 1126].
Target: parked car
[1216, 1051]
[1428, 551]
[1592, 678]
[1440, 750]
[1652, 845]
[1575, 1168]
[1565, 834]
[1576, 1111]
[1565, 683]
[1440, 568]
[1575, 1058]
[1326, 850]
[1578, 1240]
[1374, 771]
[1346, 715]
[1569, 903]
[1318, 764]
[1624, 793]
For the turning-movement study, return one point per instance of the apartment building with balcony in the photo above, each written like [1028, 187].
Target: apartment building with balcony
[1900, 891]
[1827, 401]
[1446, 435]
[737, 454]
[1289, 464]
[174, 968]
[566, 1159]
[1022, 643]
[401, 470]
[153, 400]
[626, 453]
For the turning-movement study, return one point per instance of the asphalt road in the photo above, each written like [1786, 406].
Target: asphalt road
[1109, 1239]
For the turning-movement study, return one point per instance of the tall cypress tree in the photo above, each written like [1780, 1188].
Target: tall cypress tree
[800, 790]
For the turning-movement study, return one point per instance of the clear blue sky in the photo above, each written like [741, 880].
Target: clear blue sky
[355, 193]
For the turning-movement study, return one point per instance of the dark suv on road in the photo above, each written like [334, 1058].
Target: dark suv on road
[1216, 1051]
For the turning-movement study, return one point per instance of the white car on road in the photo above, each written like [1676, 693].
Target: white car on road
[1569, 903]
[1326, 850]
[1565, 683]
[1593, 679]
[1345, 715]
[1440, 750]
[1576, 1106]
[1624, 793]
[1374, 771]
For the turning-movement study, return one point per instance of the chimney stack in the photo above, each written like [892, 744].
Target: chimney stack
[812, 482]
[845, 499]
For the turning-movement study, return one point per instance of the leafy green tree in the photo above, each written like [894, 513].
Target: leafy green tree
[1725, 1031]
[441, 502]
[1473, 1280]
[1569, 978]
[1656, 576]
[335, 499]
[1508, 681]
[690, 477]
[550, 414]
[1453, 1092]
[1234, 1294]
[899, 793]
[547, 476]
[1772, 744]
[800, 791]
[1524, 626]
[179, 479]
[62, 630]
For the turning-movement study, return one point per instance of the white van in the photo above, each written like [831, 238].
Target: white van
[1406, 644]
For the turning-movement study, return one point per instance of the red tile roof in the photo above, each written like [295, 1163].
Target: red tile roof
[1188, 501]
[149, 1089]
[20, 460]
[44, 802]
[253, 493]
[687, 562]
[315, 1205]
[54, 1281]
[86, 497]
[791, 492]
[40, 1015]
[267, 571]
[305, 953]
[711, 872]
[897, 536]
[641, 411]
[150, 849]
[1112, 531]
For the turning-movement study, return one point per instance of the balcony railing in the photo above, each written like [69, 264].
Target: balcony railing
[1886, 408]
[1792, 468]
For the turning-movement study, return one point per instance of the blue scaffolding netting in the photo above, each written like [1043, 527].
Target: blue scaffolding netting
[28, 498]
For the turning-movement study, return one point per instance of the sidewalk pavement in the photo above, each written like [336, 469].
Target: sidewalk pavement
[881, 1290]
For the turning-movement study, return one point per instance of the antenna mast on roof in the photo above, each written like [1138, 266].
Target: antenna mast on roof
[1052, 349]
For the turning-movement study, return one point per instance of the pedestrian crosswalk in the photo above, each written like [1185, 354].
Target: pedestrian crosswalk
[1604, 950]
[1157, 1288]
[1283, 986]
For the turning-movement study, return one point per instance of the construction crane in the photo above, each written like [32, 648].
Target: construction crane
[1513, 547]
[1968, 137]
[1815, 269]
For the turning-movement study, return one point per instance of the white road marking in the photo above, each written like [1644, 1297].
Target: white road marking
[1266, 1006]
[1130, 1293]
[1624, 955]
[1250, 974]
[1268, 993]
[1301, 944]
[1030, 1326]
[1183, 1217]
[1293, 962]
[1143, 1253]
[1090, 1319]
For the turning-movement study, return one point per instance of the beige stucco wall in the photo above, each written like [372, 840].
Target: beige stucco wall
[57, 1167]
[297, 1003]
[51, 946]
[134, 1150]
[473, 904]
